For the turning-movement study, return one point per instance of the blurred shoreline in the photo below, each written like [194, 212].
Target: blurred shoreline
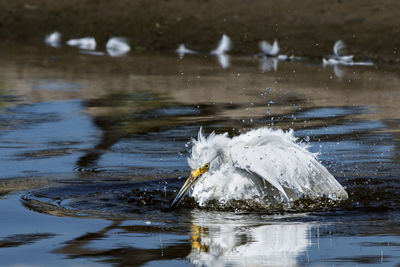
[309, 28]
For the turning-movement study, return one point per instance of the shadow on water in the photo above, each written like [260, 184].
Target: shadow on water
[105, 152]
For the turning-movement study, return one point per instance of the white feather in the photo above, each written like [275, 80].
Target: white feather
[263, 163]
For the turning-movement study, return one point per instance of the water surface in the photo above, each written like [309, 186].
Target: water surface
[93, 150]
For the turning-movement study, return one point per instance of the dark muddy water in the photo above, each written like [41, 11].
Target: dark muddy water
[93, 150]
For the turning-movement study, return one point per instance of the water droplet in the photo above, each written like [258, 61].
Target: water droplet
[271, 102]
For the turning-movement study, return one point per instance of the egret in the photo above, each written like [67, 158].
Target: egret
[88, 43]
[117, 46]
[268, 49]
[262, 164]
[224, 45]
[182, 50]
[339, 59]
[53, 39]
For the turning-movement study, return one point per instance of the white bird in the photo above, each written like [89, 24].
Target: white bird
[182, 50]
[265, 164]
[117, 46]
[88, 43]
[339, 59]
[53, 39]
[224, 45]
[268, 49]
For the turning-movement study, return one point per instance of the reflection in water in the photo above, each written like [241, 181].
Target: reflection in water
[219, 241]
[224, 60]
[268, 64]
[338, 71]
[23, 239]
[124, 255]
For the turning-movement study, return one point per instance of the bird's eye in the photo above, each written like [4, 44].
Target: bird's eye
[207, 165]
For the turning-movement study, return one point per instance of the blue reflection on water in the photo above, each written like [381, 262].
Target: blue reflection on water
[45, 127]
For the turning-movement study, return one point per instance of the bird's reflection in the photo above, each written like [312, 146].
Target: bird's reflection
[215, 240]
[224, 60]
[268, 64]
[338, 71]
[225, 242]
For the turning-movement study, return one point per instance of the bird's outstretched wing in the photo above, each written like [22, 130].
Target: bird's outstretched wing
[288, 167]
[255, 160]
[338, 48]
[224, 46]
[268, 49]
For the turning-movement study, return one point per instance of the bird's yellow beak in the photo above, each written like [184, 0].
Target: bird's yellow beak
[190, 182]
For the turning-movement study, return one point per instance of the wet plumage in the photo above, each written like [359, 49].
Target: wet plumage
[264, 163]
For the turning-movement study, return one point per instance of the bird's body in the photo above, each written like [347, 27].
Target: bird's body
[87, 43]
[339, 59]
[117, 46]
[224, 45]
[182, 50]
[53, 39]
[264, 164]
[268, 49]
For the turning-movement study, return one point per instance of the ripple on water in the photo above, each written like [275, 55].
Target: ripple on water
[133, 200]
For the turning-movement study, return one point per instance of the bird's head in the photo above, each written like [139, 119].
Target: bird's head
[193, 179]
[206, 157]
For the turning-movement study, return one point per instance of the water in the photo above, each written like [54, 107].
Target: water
[93, 150]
